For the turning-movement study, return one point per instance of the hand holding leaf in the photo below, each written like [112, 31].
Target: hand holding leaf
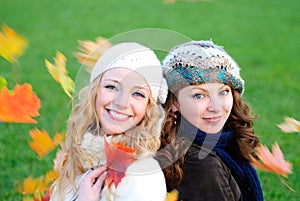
[118, 158]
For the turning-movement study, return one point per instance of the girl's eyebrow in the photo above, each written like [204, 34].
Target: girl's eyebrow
[199, 88]
[111, 79]
[144, 87]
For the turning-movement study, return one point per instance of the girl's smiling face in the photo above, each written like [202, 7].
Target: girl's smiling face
[122, 99]
[206, 106]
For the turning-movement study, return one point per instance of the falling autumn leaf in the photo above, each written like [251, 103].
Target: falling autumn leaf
[60, 74]
[118, 157]
[58, 138]
[42, 144]
[290, 125]
[42, 197]
[51, 176]
[3, 83]
[20, 105]
[90, 52]
[31, 186]
[172, 196]
[272, 162]
[12, 45]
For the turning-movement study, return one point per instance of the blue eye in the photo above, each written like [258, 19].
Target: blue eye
[224, 92]
[198, 96]
[139, 94]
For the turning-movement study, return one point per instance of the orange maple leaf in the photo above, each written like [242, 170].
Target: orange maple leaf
[12, 45]
[20, 105]
[118, 158]
[42, 144]
[60, 73]
[90, 52]
[272, 162]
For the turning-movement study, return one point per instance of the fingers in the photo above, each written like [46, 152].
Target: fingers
[97, 176]
[100, 180]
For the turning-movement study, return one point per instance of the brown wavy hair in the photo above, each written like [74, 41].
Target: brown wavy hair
[174, 148]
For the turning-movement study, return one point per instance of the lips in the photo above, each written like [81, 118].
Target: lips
[213, 119]
[117, 115]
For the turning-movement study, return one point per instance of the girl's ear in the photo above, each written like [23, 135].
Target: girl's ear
[175, 107]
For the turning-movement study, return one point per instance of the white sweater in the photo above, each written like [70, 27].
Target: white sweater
[143, 181]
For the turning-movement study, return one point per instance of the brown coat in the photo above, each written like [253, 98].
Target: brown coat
[207, 179]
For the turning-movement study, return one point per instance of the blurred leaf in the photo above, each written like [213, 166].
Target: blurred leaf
[118, 158]
[42, 144]
[290, 125]
[12, 45]
[3, 83]
[58, 138]
[31, 186]
[90, 52]
[172, 196]
[60, 73]
[272, 162]
[20, 105]
[51, 176]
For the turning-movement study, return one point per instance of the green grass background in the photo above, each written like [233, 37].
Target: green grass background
[262, 36]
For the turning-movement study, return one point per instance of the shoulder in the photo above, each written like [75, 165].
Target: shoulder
[142, 166]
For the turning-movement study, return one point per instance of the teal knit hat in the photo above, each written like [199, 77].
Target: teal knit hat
[199, 62]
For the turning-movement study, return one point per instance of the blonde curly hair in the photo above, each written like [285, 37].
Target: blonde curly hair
[144, 138]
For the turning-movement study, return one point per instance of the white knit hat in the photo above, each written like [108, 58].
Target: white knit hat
[136, 57]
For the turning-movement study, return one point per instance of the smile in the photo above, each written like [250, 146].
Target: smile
[213, 119]
[117, 116]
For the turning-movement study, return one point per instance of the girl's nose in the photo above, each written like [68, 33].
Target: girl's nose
[214, 104]
[121, 99]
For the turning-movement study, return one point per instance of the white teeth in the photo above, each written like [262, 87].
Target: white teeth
[118, 115]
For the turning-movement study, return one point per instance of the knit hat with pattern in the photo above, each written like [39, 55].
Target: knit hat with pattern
[199, 62]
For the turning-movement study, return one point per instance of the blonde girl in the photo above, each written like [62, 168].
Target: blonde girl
[122, 105]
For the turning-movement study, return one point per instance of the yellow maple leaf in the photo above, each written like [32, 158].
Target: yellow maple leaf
[272, 162]
[20, 105]
[42, 144]
[58, 138]
[172, 196]
[12, 45]
[51, 176]
[90, 52]
[60, 74]
[31, 185]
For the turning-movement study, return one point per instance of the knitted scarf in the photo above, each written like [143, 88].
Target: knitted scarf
[243, 172]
